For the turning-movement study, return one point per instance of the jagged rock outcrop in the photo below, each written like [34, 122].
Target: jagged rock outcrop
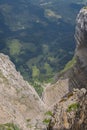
[70, 112]
[19, 103]
[80, 69]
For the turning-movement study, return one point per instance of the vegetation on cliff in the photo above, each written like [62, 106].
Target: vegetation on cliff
[9, 126]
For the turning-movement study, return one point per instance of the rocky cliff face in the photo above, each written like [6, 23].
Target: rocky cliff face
[19, 103]
[70, 112]
[76, 76]
[80, 69]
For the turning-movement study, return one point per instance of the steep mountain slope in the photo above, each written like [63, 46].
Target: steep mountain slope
[71, 111]
[19, 103]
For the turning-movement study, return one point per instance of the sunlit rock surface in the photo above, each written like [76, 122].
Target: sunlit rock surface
[19, 103]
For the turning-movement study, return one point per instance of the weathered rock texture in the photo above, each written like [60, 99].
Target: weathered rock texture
[70, 113]
[19, 103]
[53, 93]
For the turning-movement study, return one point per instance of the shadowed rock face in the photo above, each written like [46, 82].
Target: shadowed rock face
[75, 77]
[81, 28]
[70, 112]
[81, 37]
[78, 74]
[81, 45]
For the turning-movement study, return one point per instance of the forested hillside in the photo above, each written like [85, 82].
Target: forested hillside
[38, 35]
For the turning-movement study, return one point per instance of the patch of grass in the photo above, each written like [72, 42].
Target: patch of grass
[46, 121]
[35, 71]
[38, 88]
[14, 47]
[9, 126]
[69, 65]
[73, 107]
[49, 113]
[48, 68]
